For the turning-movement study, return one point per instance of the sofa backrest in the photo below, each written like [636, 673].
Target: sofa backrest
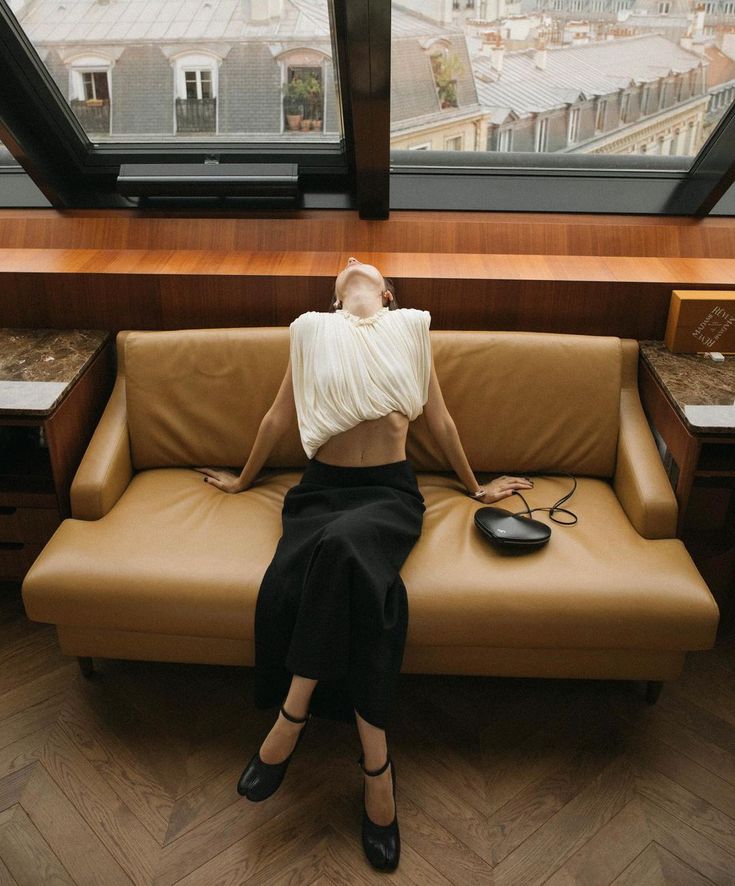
[521, 401]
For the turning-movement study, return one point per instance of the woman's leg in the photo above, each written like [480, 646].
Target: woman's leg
[378, 788]
[281, 740]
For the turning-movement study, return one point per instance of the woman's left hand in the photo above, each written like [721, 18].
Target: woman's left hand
[224, 480]
[502, 487]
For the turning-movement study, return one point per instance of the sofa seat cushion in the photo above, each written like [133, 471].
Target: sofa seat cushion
[176, 556]
[173, 555]
[597, 584]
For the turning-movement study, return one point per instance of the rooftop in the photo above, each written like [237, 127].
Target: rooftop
[588, 70]
[140, 21]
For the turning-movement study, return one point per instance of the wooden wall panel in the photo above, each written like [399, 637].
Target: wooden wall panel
[624, 298]
[403, 232]
[608, 275]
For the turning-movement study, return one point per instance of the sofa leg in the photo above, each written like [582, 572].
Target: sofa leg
[653, 690]
[86, 665]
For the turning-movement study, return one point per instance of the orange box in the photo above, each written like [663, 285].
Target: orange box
[701, 320]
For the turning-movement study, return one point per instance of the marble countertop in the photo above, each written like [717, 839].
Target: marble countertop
[702, 391]
[39, 366]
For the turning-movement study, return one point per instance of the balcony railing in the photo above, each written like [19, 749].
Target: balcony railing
[196, 114]
[94, 114]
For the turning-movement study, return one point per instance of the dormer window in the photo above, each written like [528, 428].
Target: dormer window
[303, 79]
[446, 68]
[196, 93]
[90, 93]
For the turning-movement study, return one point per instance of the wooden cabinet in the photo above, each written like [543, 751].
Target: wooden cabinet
[54, 385]
[690, 404]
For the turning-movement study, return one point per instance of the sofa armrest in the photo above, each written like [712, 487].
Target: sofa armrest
[106, 467]
[640, 480]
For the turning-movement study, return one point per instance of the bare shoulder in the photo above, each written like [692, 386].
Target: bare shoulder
[416, 315]
[306, 317]
[420, 315]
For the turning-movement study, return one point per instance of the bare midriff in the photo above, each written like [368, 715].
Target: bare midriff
[375, 442]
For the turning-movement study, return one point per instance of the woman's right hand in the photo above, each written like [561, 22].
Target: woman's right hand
[502, 487]
[224, 480]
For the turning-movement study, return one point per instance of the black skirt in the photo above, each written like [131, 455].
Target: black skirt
[332, 605]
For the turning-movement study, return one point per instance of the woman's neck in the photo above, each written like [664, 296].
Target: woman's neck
[363, 304]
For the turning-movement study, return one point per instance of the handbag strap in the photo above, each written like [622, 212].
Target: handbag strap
[556, 505]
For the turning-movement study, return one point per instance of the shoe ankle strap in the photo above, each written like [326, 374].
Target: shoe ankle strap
[374, 771]
[294, 719]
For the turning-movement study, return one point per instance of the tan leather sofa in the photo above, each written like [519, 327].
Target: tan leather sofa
[156, 564]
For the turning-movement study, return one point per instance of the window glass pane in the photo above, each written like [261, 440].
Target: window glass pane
[155, 70]
[6, 158]
[594, 77]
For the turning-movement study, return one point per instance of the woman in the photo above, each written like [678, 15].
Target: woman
[332, 610]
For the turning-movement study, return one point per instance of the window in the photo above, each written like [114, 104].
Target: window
[198, 84]
[573, 128]
[645, 98]
[89, 92]
[625, 107]
[542, 132]
[90, 85]
[505, 139]
[507, 71]
[188, 72]
[303, 91]
[600, 114]
[196, 91]
[6, 158]
[446, 67]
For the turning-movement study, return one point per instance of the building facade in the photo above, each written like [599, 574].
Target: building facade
[635, 95]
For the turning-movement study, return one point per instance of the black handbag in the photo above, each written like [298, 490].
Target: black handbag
[516, 533]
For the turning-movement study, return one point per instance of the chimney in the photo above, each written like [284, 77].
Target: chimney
[489, 38]
[539, 57]
[699, 22]
[496, 56]
[256, 11]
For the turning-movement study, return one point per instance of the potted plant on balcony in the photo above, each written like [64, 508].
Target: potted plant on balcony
[446, 71]
[313, 95]
[293, 102]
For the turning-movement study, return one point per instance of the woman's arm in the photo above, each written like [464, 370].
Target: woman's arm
[272, 427]
[444, 431]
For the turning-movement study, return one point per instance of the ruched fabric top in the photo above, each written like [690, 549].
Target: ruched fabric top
[347, 369]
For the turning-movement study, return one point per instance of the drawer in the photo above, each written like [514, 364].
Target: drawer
[28, 525]
[16, 559]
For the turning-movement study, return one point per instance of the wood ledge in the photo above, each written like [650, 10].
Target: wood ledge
[408, 265]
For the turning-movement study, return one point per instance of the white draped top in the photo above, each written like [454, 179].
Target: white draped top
[347, 369]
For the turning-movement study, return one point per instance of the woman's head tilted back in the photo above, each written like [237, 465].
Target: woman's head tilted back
[359, 283]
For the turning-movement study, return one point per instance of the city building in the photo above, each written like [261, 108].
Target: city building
[632, 95]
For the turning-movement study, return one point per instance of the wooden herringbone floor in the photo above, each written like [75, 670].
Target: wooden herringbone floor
[130, 777]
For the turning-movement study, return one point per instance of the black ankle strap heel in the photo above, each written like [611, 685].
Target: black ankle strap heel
[294, 719]
[374, 771]
[259, 780]
[382, 843]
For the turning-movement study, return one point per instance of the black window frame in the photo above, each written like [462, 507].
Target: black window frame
[41, 131]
